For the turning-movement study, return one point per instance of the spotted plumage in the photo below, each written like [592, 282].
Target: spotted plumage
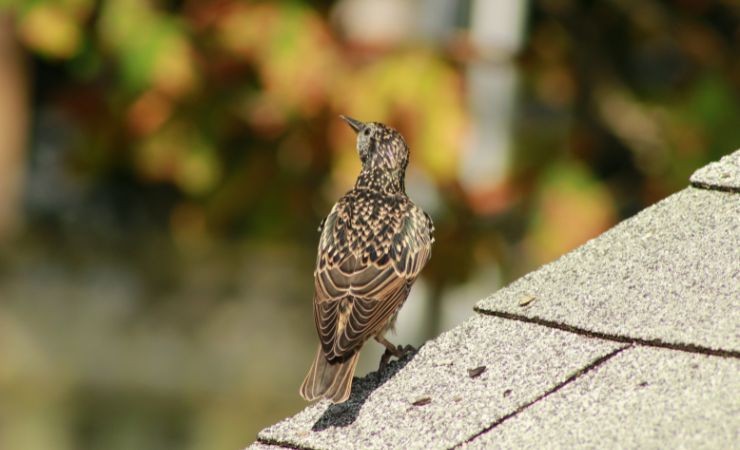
[373, 245]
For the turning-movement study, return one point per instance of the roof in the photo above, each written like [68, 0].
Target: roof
[631, 340]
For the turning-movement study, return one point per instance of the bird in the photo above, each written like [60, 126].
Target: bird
[372, 247]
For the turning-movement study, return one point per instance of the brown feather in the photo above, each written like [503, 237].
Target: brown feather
[327, 380]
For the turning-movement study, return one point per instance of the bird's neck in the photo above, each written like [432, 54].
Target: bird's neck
[381, 180]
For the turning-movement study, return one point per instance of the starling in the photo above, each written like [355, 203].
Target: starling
[373, 245]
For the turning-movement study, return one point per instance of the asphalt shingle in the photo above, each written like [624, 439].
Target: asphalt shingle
[641, 398]
[522, 363]
[722, 175]
[668, 276]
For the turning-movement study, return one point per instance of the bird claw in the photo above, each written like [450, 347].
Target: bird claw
[399, 352]
[408, 349]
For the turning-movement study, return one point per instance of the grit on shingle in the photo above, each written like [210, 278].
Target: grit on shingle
[669, 274]
[721, 175]
[522, 361]
[641, 398]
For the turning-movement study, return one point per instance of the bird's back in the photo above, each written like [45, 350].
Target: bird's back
[372, 247]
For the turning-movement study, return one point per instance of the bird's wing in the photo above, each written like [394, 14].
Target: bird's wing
[364, 270]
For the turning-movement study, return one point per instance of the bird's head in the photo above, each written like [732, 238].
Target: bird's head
[380, 147]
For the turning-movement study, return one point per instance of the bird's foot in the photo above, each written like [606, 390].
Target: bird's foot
[408, 349]
[398, 351]
[384, 360]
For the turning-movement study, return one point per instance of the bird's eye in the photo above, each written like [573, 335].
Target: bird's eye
[366, 132]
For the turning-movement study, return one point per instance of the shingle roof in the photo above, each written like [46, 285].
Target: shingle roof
[632, 340]
[642, 398]
[666, 277]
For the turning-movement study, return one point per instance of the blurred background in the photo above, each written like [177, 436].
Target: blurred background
[164, 165]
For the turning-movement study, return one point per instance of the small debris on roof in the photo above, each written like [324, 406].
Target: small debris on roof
[475, 373]
[507, 392]
[526, 300]
[422, 401]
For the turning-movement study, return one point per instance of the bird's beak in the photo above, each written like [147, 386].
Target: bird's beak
[354, 123]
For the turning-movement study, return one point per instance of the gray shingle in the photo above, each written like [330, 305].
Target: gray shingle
[523, 362]
[723, 175]
[641, 398]
[670, 275]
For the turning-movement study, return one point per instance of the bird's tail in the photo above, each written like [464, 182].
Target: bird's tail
[329, 380]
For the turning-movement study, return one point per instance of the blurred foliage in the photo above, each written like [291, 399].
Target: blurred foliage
[203, 97]
[233, 104]
[167, 132]
[571, 207]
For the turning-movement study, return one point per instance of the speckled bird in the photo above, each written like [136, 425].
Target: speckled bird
[373, 245]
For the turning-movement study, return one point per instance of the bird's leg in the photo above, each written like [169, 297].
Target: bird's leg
[384, 360]
[391, 350]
